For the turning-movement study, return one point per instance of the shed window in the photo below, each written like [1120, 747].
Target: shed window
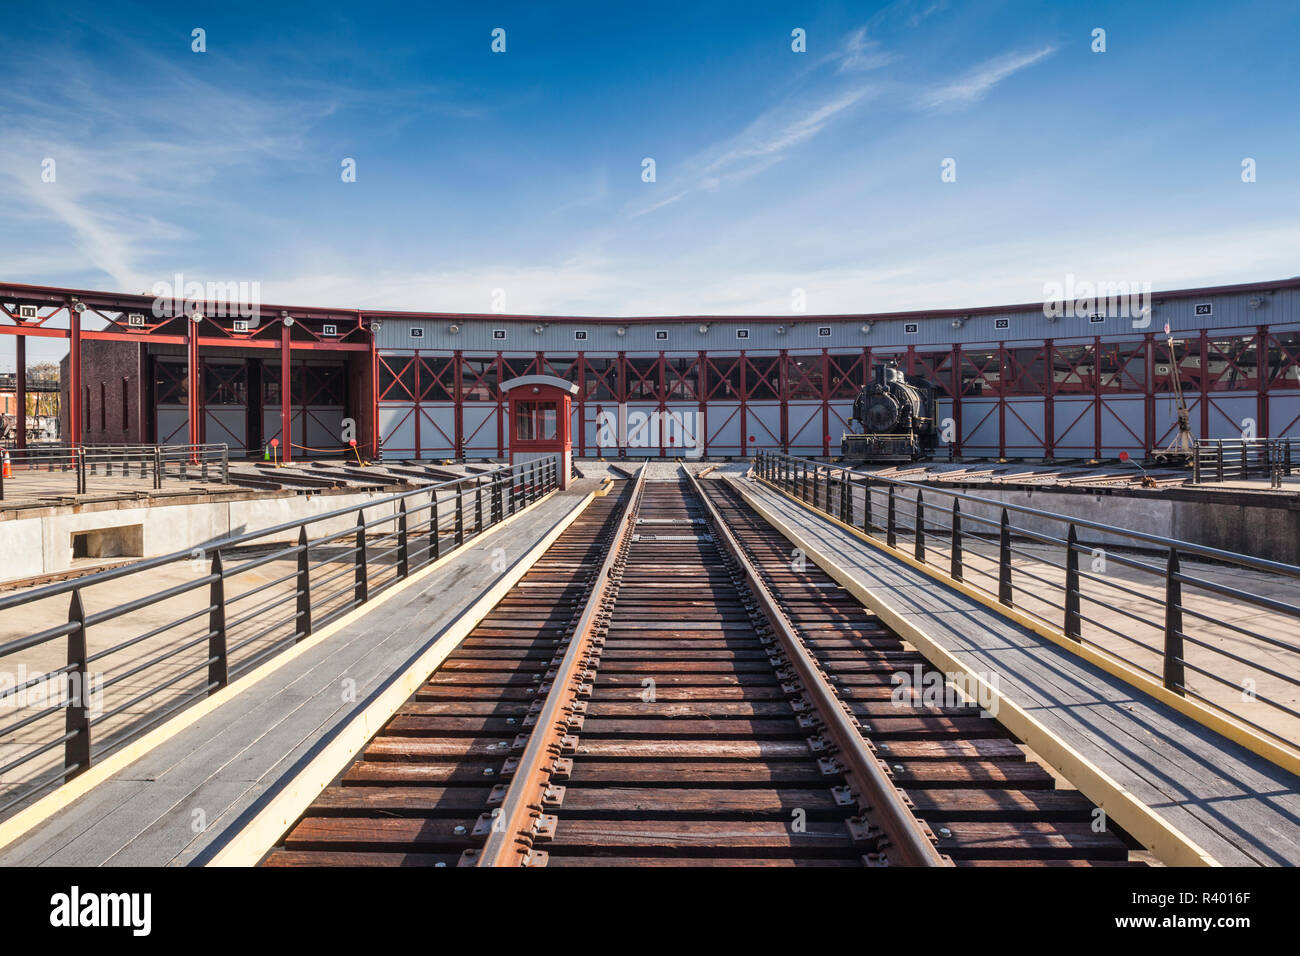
[536, 421]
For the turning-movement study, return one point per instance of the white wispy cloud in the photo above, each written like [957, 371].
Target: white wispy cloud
[767, 140]
[795, 119]
[852, 281]
[860, 53]
[972, 87]
[128, 168]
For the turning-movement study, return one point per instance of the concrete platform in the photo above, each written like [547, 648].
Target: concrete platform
[182, 801]
[1238, 807]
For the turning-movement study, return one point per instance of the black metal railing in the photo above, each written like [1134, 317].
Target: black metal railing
[1238, 459]
[40, 471]
[85, 667]
[1211, 625]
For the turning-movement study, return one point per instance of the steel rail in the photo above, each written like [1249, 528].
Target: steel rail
[909, 842]
[515, 824]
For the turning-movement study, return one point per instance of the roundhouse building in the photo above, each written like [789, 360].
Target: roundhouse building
[1014, 381]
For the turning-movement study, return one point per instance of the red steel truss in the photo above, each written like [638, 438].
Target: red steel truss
[1061, 398]
[1054, 399]
[48, 312]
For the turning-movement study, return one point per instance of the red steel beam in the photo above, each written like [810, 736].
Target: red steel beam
[20, 389]
[286, 403]
[74, 374]
[192, 377]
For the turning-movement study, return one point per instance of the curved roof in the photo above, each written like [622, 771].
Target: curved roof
[550, 380]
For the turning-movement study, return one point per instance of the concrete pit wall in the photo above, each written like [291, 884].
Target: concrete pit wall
[43, 543]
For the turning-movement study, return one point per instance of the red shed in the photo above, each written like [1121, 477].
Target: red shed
[539, 419]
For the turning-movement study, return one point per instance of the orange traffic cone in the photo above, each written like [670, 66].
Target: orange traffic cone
[9, 470]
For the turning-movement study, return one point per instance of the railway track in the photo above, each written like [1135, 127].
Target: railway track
[665, 687]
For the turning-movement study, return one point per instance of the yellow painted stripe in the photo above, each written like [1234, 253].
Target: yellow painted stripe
[248, 846]
[46, 807]
[1220, 721]
[1167, 842]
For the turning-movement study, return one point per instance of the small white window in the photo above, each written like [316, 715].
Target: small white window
[910, 328]
[417, 332]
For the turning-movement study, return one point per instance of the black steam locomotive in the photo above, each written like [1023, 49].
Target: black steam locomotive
[895, 419]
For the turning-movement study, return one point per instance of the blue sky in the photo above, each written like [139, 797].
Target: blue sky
[775, 170]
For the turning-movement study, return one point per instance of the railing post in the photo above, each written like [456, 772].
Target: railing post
[157, 468]
[1218, 460]
[1245, 460]
[497, 513]
[403, 554]
[218, 665]
[956, 568]
[225, 464]
[360, 587]
[1175, 673]
[1004, 560]
[435, 544]
[478, 506]
[866, 506]
[845, 516]
[76, 750]
[1196, 463]
[891, 524]
[1073, 626]
[460, 515]
[919, 537]
[81, 470]
[303, 585]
